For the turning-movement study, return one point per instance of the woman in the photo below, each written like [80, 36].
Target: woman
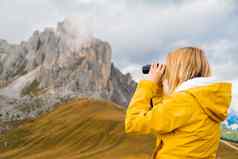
[182, 104]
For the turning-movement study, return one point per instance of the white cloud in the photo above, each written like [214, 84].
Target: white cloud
[139, 30]
[136, 72]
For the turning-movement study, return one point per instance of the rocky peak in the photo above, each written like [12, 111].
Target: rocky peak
[62, 62]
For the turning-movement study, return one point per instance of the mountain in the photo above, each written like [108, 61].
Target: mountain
[82, 128]
[56, 65]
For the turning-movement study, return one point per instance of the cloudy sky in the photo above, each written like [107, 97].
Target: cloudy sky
[139, 31]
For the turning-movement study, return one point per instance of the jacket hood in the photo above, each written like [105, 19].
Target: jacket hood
[213, 95]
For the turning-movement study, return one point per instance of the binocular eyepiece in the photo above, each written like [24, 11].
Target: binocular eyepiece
[146, 68]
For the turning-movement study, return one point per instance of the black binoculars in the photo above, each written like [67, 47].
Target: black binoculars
[146, 68]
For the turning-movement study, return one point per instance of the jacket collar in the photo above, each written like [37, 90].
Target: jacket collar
[197, 82]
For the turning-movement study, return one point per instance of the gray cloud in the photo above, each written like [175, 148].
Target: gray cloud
[139, 31]
[20, 18]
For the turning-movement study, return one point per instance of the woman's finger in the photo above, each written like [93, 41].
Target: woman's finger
[164, 67]
[159, 67]
[154, 66]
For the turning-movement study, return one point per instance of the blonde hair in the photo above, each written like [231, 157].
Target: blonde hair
[183, 64]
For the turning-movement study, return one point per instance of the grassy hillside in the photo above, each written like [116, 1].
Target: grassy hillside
[81, 128]
[228, 134]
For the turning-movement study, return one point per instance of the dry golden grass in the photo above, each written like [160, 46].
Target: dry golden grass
[80, 129]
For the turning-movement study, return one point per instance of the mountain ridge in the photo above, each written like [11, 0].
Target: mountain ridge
[55, 65]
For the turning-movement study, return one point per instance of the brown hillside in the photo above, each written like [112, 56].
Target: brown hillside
[80, 129]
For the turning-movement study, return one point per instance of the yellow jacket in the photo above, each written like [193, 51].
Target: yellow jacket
[186, 123]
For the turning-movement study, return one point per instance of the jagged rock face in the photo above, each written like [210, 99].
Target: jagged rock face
[60, 63]
[122, 86]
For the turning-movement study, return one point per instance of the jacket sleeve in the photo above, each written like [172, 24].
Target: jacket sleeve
[173, 112]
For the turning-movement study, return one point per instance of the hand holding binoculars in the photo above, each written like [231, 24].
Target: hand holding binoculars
[146, 68]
